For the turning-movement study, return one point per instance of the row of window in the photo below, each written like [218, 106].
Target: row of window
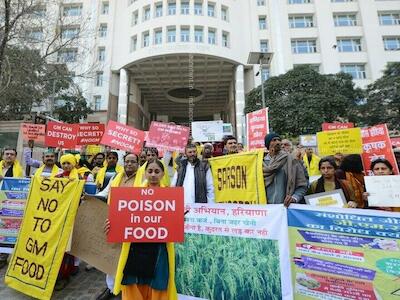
[184, 36]
[158, 10]
[75, 9]
[333, 1]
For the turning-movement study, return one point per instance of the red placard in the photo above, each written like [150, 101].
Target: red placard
[120, 136]
[257, 128]
[395, 142]
[61, 135]
[90, 134]
[377, 144]
[167, 136]
[336, 126]
[146, 215]
[33, 132]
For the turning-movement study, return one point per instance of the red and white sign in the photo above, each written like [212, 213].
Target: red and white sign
[257, 128]
[61, 135]
[336, 126]
[167, 136]
[395, 142]
[146, 215]
[90, 134]
[377, 144]
[120, 136]
[33, 132]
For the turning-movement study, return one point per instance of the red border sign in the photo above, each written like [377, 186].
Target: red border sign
[336, 126]
[90, 134]
[61, 135]
[33, 132]
[120, 136]
[167, 136]
[146, 215]
[395, 142]
[257, 128]
[377, 144]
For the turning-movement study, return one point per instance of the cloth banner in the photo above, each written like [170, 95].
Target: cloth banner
[344, 253]
[257, 128]
[168, 137]
[345, 141]
[238, 178]
[13, 195]
[45, 231]
[234, 252]
[377, 144]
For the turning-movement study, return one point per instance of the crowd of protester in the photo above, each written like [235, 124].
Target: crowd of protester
[146, 271]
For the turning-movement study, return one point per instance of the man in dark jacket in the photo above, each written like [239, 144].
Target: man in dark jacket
[195, 176]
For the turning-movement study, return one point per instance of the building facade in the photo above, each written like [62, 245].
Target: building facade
[156, 56]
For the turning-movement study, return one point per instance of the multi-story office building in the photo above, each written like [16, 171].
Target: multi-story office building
[156, 54]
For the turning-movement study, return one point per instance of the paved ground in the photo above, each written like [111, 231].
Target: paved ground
[83, 286]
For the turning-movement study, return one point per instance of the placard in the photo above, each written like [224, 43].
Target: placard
[168, 137]
[61, 135]
[146, 215]
[346, 141]
[33, 132]
[120, 136]
[333, 198]
[384, 191]
[336, 126]
[208, 131]
[309, 140]
[90, 133]
[257, 128]
[89, 241]
[377, 144]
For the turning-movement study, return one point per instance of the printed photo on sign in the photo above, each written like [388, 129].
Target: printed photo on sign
[333, 198]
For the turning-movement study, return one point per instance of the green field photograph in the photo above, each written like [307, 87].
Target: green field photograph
[225, 268]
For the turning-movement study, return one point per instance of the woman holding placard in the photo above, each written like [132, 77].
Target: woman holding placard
[146, 271]
[329, 182]
[381, 167]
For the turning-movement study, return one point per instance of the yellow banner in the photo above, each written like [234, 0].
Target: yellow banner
[46, 227]
[345, 141]
[238, 178]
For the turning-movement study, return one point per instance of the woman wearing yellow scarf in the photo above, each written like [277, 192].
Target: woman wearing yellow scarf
[10, 166]
[151, 153]
[111, 168]
[146, 271]
[68, 163]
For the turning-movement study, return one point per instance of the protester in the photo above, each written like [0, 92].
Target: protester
[208, 151]
[283, 175]
[311, 161]
[381, 167]
[152, 153]
[123, 179]
[98, 162]
[351, 169]
[297, 154]
[10, 166]
[230, 145]
[49, 167]
[329, 182]
[240, 147]
[287, 146]
[84, 172]
[147, 270]
[142, 157]
[338, 158]
[195, 176]
[107, 172]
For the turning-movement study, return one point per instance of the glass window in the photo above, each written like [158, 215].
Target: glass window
[198, 8]
[225, 39]
[97, 103]
[345, 20]
[146, 39]
[391, 43]
[211, 9]
[103, 30]
[171, 8]
[198, 35]
[105, 8]
[260, 2]
[299, 1]
[212, 37]
[389, 18]
[146, 13]
[301, 21]
[171, 35]
[357, 71]
[67, 55]
[72, 10]
[133, 43]
[224, 13]
[264, 46]
[185, 34]
[262, 22]
[157, 36]
[304, 46]
[99, 78]
[101, 54]
[349, 45]
[264, 74]
[69, 32]
[159, 10]
[185, 8]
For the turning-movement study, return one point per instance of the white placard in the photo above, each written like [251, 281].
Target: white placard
[384, 191]
[333, 198]
[208, 131]
[308, 140]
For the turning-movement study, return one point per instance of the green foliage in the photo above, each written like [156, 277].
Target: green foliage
[73, 108]
[300, 100]
[220, 267]
[383, 99]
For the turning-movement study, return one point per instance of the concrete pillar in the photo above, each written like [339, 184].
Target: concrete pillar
[240, 103]
[123, 96]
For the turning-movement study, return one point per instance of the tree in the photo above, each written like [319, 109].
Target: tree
[300, 100]
[73, 107]
[383, 99]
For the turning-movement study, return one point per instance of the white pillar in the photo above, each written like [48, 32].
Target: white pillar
[123, 97]
[239, 103]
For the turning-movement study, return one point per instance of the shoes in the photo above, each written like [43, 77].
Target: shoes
[61, 284]
[106, 295]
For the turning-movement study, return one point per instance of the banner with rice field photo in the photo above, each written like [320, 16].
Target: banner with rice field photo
[234, 251]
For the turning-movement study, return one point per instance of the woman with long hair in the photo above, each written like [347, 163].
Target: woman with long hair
[329, 181]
